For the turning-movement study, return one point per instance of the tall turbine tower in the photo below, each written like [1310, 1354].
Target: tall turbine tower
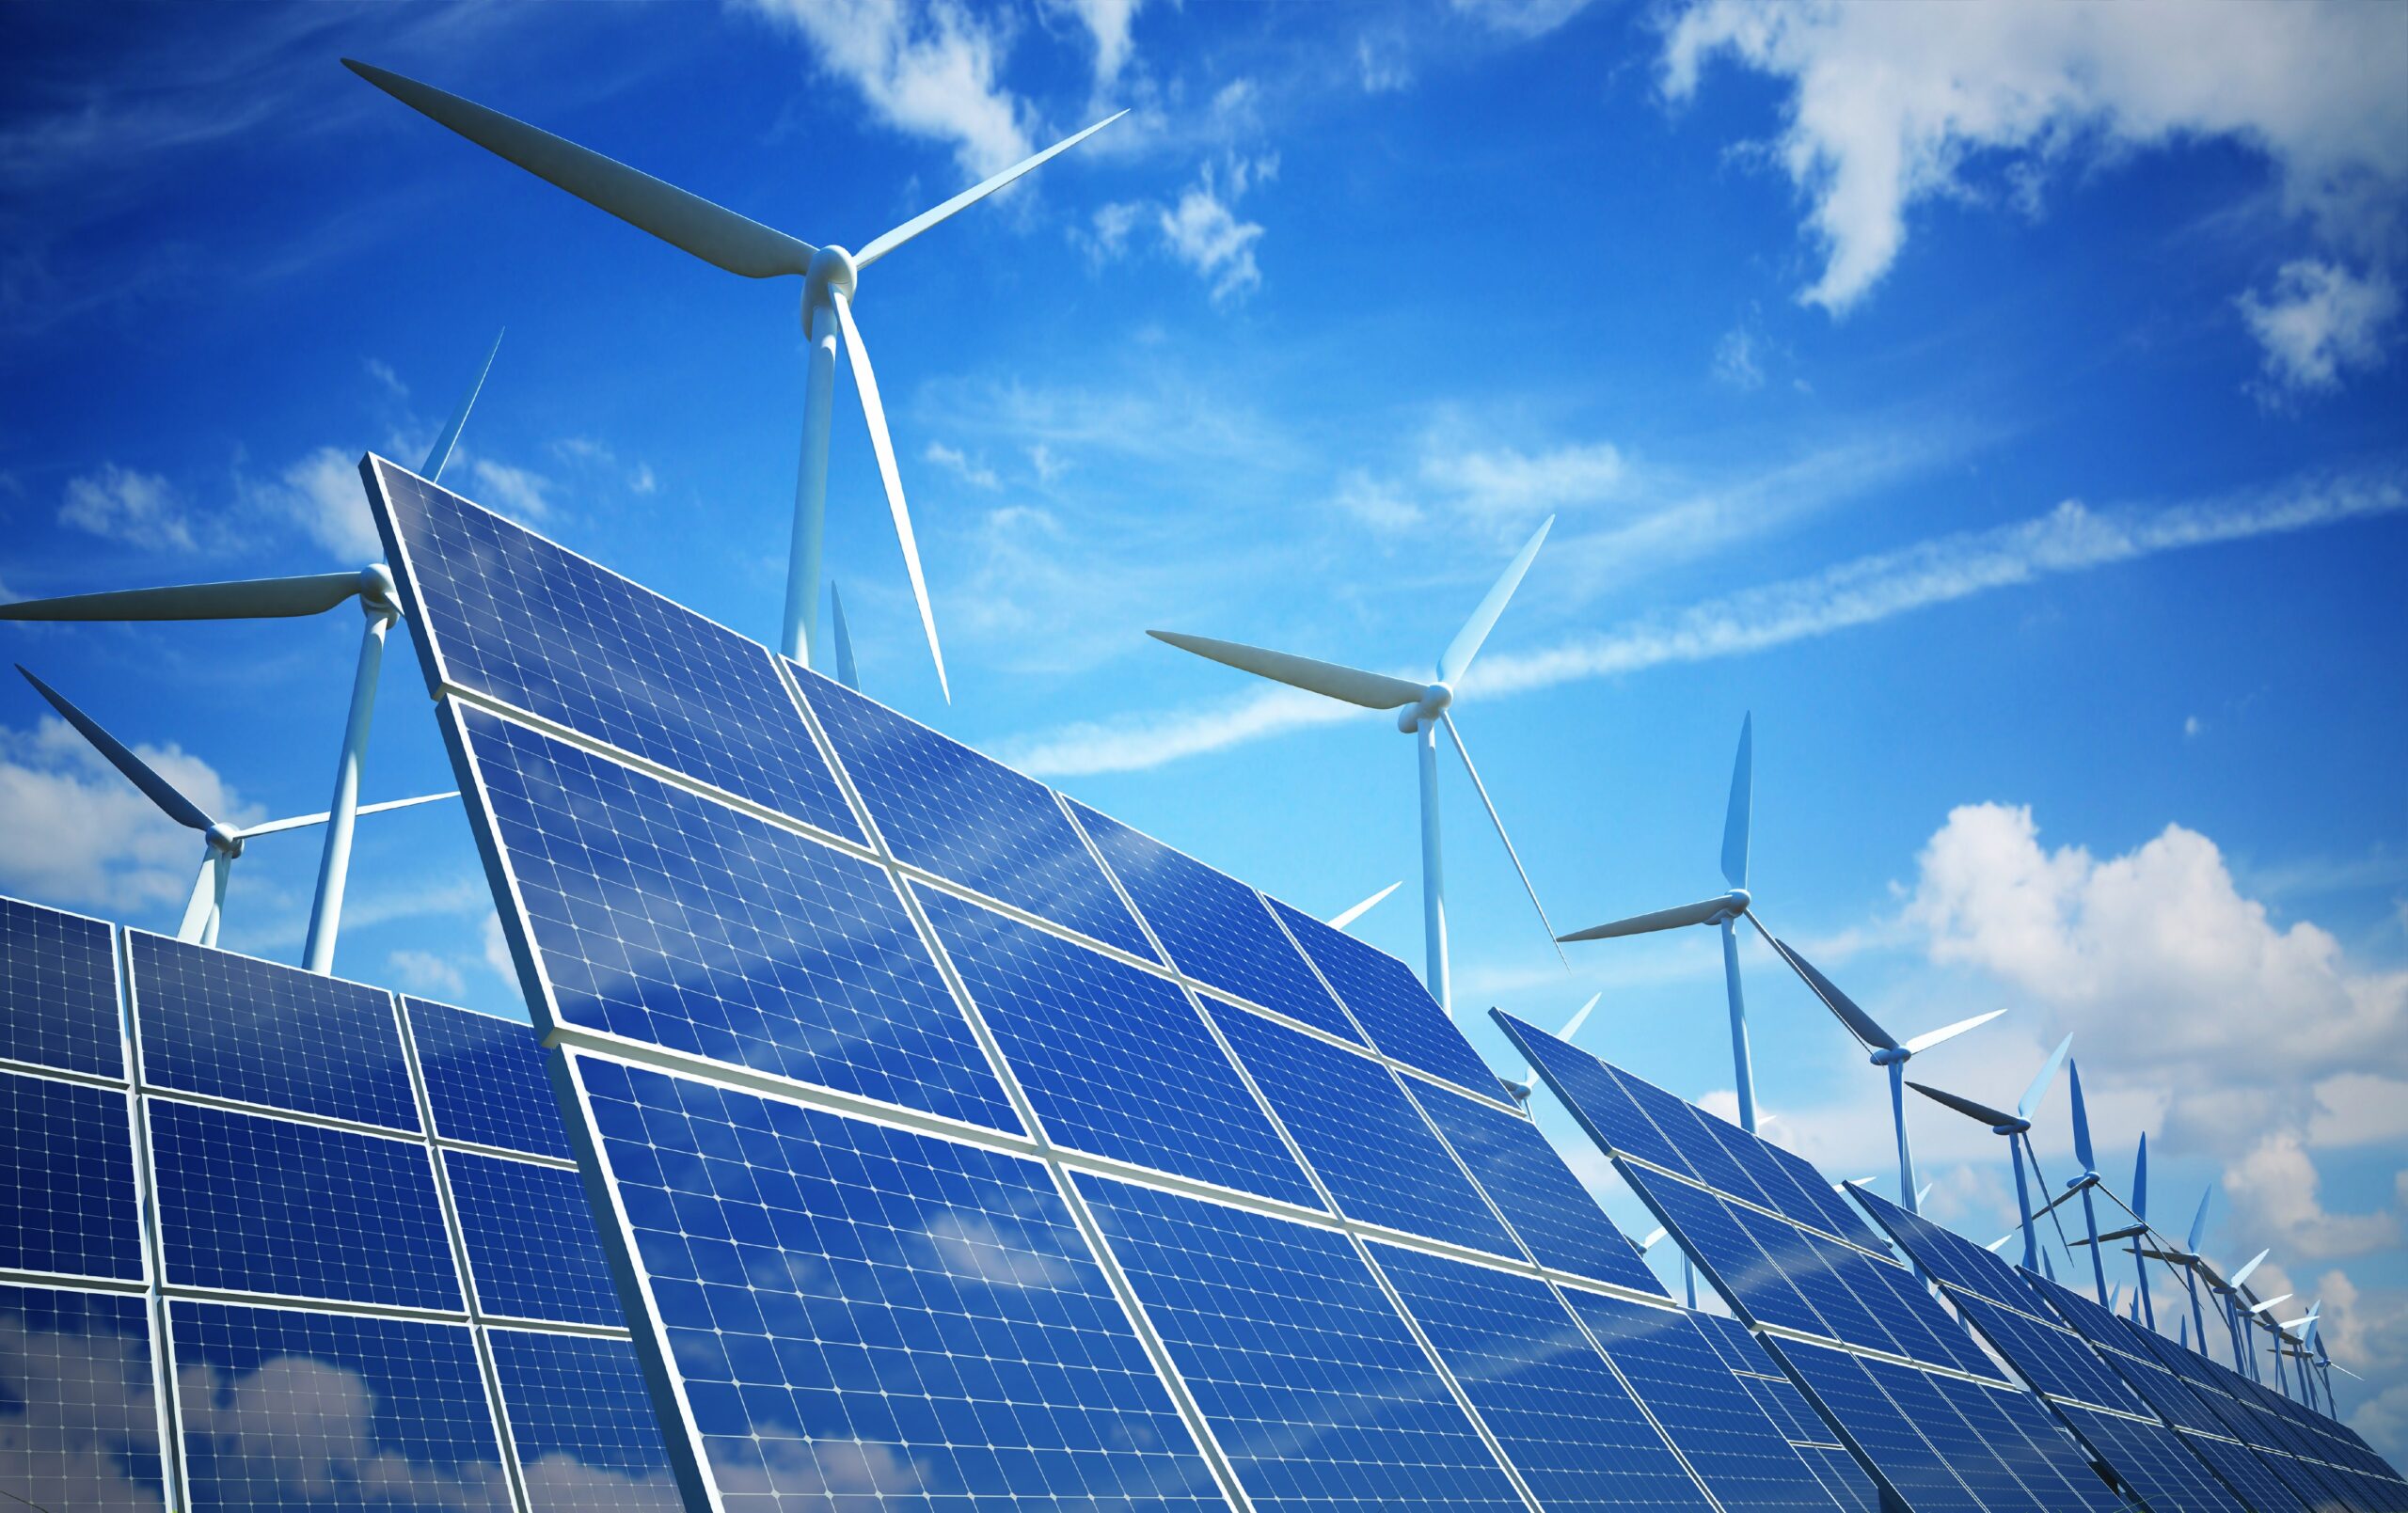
[283, 598]
[2016, 1128]
[1423, 707]
[222, 843]
[724, 239]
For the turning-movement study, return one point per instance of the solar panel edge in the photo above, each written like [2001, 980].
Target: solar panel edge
[397, 554]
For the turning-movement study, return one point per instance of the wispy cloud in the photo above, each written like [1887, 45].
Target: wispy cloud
[2070, 538]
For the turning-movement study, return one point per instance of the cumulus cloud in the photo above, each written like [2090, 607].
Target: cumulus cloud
[2273, 1190]
[81, 835]
[1108, 23]
[307, 1428]
[515, 491]
[1201, 229]
[321, 495]
[120, 504]
[927, 68]
[952, 459]
[2319, 322]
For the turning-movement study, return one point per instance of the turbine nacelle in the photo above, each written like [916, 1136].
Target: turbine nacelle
[833, 271]
[378, 593]
[225, 838]
[1435, 701]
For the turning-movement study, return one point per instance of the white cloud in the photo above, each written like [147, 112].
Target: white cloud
[1381, 70]
[1735, 359]
[79, 1406]
[303, 1431]
[2193, 727]
[390, 381]
[2274, 1194]
[1521, 486]
[642, 481]
[1521, 18]
[1047, 466]
[927, 68]
[497, 951]
[120, 504]
[977, 475]
[81, 835]
[2320, 321]
[515, 491]
[1107, 234]
[323, 495]
[423, 971]
[1204, 232]
[1108, 23]
[1889, 106]
[1375, 503]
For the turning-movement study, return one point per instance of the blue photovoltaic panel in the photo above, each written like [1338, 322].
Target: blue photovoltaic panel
[1743, 1456]
[1873, 1424]
[1115, 1061]
[1923, 1403]
[1597, 1098]
[1312, 1383]
[1368, 1143]
[941, 807]
[1215, 927]
[1566, 1421]
[2151, 1461]
[79, 1425]
[1540, 1197]
[485, 1079]
[667, 918]
[232, 1027]
[852, 1307]
[532, 1249]
[2043, 1460]
[58, 991]
[249, 1204]
[1701, 1224]
[582, 1425]
[286, 1410]
[67, 1203]
[1389, 1002]
[514, 617]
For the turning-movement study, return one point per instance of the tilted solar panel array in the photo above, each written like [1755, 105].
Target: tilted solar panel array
[1926, 1413]
[957, 1142]
[279, 1241]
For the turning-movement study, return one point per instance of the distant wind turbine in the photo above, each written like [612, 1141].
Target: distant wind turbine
[1423, 708]
[223, 841]
[283, 598]
[2016, 1128]
[1529, 1082]
[1340, 921]
[2088, 1177]
[724, 239]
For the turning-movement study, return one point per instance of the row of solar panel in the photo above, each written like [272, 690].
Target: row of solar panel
[352, 1310]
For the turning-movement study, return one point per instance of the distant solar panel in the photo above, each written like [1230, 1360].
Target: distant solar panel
[58, 1005]
[1394, 1011]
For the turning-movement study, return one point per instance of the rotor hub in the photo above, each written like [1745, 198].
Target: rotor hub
[1890, 1055]
[831, 271]
[223, 837]
[378, 595]
[1434, 700]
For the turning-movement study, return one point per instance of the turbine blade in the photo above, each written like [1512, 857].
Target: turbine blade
[2140, 1179]
[304, 821]
[847, 673]
[1702, 912]
[2029, 1104]
[1965, 1106]
[312, 593]
[440, 454]
[865, 383]
[157, 789]
[1456, 659]
[886, 242]
[1929, 1038]
[1342, 920]
[1464, 751]
[203, 897]
[1655, 1238]
[1859, 1023]
[1331, 680]
[2199, 1221]
[1734, 819]
[2261, 1307]
[2243, 1275]
[1572, 1026]
[716, 235]
[2081, 1118]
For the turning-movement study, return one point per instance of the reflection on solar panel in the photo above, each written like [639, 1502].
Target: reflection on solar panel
[976, 1145]
[240, 1257]
[57, 992]
[1898, 1382]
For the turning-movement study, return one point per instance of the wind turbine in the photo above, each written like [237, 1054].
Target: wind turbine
[280, 598]
[830, 275]
[223, 841]
[1423, 707]
[847, 673]
[1340, 921]
[1529, 1082]
[2017, 1127]
[1887, 1049]
[2089, 1176]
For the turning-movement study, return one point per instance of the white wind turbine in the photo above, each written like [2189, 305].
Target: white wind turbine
[224, 842]
[1422, 708]
[312, 593]
[725, 240]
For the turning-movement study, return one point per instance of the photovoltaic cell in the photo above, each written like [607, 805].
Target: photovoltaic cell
[1115, 1061]
[79, 1426]
[67, 1204]
[666, 918]
[1215, 928]
[250, 1204]
[1358, 1132]
[850, 1307]
[503, 612]
[1389, 1002]
[1842, 1387]
[1311, 1382]
[1748, 1277]
[582, 1425]
[253, 1032]
[485, 1079]
[945, 807]
[533, 1249]
[2151, 1461]
[286, 1409]
[1565, 1420]
[1540, 1197]
[58, 991]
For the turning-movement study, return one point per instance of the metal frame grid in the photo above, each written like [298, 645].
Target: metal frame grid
[623, 1166]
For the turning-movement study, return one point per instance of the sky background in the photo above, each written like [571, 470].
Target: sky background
[2009, 413]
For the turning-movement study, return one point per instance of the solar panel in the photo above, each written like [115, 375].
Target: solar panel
[57, 992]
[485, 1079]
[532, 1249]
[582, 1423]
[79, 1425]
[66, 1168]
[1394, 1011]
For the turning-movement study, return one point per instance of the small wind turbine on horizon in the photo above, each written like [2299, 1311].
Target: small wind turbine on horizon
[2016, 1128]
[279, 598]
[223, 841]
[2088, 1177]
[1423, 707]
[831, 276]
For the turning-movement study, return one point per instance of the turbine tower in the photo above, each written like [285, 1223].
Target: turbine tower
[2017, 1127]
[831, 276]
[283, 598]
[1423, 707]
[223, 841]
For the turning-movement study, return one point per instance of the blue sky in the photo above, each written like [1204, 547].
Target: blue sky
[2010, 415]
